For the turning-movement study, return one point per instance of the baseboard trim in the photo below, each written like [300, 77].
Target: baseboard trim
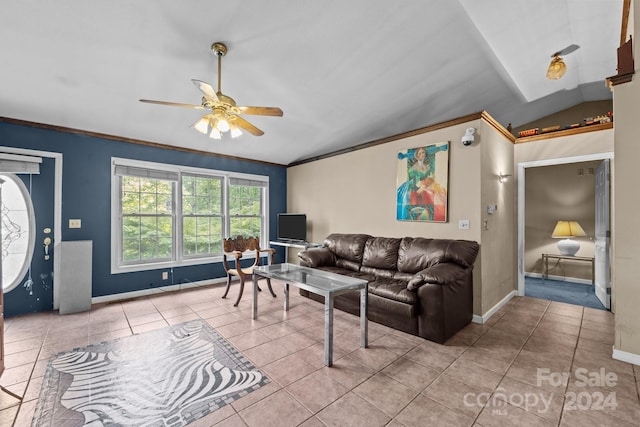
[561, 278]
[625, 356]
[154, 291]
[482, 319]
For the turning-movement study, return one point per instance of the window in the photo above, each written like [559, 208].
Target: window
[147, 219]
[165, 215]
[18, 223]
[245, 207]
[202, 227]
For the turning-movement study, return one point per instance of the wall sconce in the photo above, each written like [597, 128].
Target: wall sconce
[503, 177]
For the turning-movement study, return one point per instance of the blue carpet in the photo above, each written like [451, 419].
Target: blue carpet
[569, 292]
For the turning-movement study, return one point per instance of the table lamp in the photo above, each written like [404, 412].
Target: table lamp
[566, 230]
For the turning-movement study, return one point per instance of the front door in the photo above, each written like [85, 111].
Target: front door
[34, 291]
[603, 234]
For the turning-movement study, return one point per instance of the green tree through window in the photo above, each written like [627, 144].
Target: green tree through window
[147, 219]
[168, 215]
[201, 215]
[245, 209]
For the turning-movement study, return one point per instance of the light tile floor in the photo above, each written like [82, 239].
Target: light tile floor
[511, 370]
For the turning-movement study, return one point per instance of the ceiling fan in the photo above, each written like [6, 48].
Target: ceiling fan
[223, 115]
[557, 67]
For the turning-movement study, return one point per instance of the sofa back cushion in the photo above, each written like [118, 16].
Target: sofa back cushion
[348, 248]
[417, 253]
[382, 253]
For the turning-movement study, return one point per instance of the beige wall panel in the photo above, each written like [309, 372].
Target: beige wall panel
[565, 146]
[626, 105]
[498, 229]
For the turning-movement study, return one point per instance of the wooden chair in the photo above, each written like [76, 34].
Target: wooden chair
[235, 248]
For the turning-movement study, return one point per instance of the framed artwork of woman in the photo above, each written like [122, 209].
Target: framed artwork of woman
[422, 183]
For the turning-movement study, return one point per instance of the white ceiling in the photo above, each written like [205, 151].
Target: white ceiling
[343, 72]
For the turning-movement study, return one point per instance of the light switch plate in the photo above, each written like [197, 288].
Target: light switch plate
[463, 224]
[75, 223]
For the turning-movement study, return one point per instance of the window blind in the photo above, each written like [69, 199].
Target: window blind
[124, 170]
[13, 163]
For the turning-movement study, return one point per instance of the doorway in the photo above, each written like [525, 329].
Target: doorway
[537, 219]
[35, 286]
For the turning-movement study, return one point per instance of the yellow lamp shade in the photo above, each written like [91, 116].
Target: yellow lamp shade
[566, 229]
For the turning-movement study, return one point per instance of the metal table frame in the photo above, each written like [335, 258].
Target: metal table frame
[545, 263]
[318, 282]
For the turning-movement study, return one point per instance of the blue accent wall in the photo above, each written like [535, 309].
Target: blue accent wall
[86, 195]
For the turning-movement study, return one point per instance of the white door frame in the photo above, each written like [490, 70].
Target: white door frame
[57, 210]
[521, 195]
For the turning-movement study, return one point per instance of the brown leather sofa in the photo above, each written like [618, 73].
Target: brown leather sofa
[416, 285]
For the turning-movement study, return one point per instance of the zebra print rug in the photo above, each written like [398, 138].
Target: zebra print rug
[169, 377]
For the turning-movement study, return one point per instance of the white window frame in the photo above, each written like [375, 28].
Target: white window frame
[178, 259]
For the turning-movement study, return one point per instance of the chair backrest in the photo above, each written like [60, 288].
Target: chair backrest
[241, 244]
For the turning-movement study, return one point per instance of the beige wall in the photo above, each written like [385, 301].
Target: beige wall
[498, 240]
[356, 193]
[565, 146]
[553, 193]
[626, 246]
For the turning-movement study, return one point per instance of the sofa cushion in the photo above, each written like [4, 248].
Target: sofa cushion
[378, 272]
[417, 253]
[349, 247]
[348, 272]
[381, 253]
[393, 289]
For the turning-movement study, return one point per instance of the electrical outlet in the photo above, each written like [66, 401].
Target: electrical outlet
[75, 223]
[165, 275]
[463, 224]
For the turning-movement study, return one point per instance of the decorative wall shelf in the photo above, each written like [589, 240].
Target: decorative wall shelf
[565, 132]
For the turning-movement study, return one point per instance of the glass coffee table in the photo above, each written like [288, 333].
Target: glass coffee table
[319, 282]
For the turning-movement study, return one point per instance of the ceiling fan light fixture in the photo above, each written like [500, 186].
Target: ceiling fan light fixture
[203, 124]
[222, 112]
[235, 132]
[222, 124]
[215, 133]
[557, 68]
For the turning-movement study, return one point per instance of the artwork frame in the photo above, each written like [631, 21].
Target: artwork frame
[422, 178]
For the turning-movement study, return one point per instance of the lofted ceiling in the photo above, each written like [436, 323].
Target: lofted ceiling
[343, 72]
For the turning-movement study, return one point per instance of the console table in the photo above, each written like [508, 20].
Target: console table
[545, 262]
[293, 244]
[319, 282]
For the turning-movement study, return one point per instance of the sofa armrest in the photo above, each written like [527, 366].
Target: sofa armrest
[439, 274]
[317, 257]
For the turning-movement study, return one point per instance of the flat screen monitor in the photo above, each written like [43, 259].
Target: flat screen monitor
[292, 227]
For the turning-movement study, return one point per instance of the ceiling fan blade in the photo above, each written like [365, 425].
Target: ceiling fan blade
[567, 50]
[172, 104]
[242, 123]
[207, 90]
[261, 111]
